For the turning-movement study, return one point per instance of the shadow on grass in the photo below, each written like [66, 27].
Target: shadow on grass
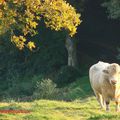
[12, 106]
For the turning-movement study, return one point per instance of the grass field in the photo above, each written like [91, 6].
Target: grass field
[84, 107]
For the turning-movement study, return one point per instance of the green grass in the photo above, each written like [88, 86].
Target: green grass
[85, 107]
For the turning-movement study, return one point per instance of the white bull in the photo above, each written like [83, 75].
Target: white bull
[105, 82]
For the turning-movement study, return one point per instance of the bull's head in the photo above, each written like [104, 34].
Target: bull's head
[113, 73]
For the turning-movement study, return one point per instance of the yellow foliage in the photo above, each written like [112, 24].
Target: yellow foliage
[31, 45]
[33, 24]
[1, 1]
[19, 41]
[24, 16]
[59, 14]
[1, 14]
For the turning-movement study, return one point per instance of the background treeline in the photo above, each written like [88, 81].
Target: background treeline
[22, 72]
[44, 72]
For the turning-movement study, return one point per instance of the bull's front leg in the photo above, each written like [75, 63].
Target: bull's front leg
[117, 106]
[99, 98]
[107, 105]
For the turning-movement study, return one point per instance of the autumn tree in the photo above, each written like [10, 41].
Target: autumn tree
[21, 18]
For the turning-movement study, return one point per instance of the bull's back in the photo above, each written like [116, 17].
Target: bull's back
[95, 75]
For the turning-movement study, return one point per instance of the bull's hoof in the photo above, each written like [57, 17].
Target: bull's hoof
[107, 110]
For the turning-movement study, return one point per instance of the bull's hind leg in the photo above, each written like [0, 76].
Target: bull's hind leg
[117, 106]
[102, 102]
[100, 99]
[107, 102]
[107, 105]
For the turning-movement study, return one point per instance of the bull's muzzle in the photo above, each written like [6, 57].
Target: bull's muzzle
[113, 82]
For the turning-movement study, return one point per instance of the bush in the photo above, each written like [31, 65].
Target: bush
[45, 89]
[66, 75]
[19, 87]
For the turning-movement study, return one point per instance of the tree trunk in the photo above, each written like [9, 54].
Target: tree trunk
[71, 49]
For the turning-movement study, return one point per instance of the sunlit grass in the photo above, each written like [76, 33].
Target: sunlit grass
[85, 107]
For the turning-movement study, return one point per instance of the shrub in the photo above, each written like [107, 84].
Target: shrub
[45, 89]
[66, 75]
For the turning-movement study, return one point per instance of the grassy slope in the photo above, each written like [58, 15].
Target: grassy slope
[85, 108]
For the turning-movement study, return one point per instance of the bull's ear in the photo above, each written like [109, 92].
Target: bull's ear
[105, 71]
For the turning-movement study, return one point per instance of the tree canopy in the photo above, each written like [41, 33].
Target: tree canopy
[21, 19]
